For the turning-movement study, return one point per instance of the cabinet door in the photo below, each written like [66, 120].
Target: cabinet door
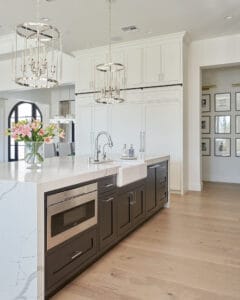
[84, 81]
[107, 221]
[162, 184]
[151, 201]
[98, 77]
[139, 205]
[134, 72]
[124, 212]
[153, 65]
[172, 62]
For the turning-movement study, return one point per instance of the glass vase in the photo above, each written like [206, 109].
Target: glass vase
[33, 155]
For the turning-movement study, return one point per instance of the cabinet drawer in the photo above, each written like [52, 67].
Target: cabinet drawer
[69, 257]
[107, 184]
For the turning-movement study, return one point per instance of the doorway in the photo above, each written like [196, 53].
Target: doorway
[220, 124]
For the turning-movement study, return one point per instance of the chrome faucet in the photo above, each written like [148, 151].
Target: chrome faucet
[97, 149]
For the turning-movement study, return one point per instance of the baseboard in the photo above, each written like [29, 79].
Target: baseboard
[223, 180]
[197, 187]
[175, 192]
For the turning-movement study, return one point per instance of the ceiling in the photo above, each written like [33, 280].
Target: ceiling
[84, 23]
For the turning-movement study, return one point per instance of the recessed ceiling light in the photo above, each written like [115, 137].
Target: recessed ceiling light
[228, 17]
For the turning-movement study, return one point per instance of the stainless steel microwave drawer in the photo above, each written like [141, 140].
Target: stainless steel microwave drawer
[67, 259]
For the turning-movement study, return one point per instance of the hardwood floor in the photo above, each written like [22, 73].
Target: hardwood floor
[190, 251]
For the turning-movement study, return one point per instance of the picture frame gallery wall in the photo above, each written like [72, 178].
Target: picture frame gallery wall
[220, 124]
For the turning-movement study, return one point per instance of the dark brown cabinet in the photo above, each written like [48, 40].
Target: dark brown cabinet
[131, 208]
[107, 221]
[124, 212]
[151, 200]
[139, 205]
[156, 187]
[162, 184]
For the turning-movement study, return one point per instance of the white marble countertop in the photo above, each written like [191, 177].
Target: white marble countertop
[59, 168]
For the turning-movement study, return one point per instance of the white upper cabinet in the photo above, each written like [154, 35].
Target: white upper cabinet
[84, 82]
[134, 67]
[153, 65]
[98, 78]
[150, 62]
[163, 64]
[86, 72]
[172, 62]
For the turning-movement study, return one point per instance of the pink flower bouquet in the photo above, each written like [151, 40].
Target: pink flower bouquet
[34, 136]
[33, 132]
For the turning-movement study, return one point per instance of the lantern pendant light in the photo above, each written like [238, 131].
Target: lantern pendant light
[109, 77]
[38, 54]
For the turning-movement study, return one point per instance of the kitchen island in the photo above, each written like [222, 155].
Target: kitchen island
[22, 220]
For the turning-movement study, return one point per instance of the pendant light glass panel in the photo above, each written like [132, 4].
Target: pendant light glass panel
[37, 55]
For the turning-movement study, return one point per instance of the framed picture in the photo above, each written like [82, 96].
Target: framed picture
[238, 147]
[206, 103]
[223, 102]
[223, 124]
[205, 124]
[237, 130]
[206, 147]
[237, 99]
[222, 147]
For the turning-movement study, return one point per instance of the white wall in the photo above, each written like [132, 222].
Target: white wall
[210, 52]
[222, 169]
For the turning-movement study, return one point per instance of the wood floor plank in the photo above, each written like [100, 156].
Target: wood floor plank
[188, 252]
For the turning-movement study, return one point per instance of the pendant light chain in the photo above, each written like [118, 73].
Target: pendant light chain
[110, 31]
[38, 10]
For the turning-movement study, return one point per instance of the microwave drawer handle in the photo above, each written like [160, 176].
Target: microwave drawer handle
[77, 254]
[109, 185]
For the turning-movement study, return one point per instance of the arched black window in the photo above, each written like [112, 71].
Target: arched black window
[21, 111]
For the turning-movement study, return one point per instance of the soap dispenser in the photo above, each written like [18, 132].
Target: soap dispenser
[131, 151]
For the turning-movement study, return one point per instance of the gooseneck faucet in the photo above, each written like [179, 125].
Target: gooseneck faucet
[97, 150]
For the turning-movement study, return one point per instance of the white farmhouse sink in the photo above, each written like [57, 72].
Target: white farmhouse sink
[131, 171]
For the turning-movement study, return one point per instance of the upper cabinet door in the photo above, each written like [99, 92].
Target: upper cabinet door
[98, 76]
[152, 65]
[84, 80]
[134, 67]
[172, 62]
